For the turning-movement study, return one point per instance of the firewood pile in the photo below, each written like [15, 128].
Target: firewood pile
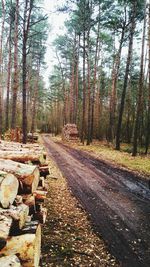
[23, 190]
[70, 132]
[16, 135]
[32, 137]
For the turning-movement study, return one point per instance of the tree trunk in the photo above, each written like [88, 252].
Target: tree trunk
[1, 61]
[95, 76]
[89, 91]
[115, 73]
[35, 103]
[77, 81]
[15, 81]
[72, 84]
[26, 26]
[8, 74]
[84, 92]
[140, 93]
[148, 115]
[129, 57]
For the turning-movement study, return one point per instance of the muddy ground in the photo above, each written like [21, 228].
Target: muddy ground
[116, 200]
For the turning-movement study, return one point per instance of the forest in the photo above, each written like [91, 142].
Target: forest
[74, 133]
[100, 80]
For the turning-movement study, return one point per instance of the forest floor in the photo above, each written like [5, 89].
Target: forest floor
[116, 201]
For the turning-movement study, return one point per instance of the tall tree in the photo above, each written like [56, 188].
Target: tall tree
[127, 70]
[140, 91]
[1, 69]
[9, 66]
[28, 6]
[16, 70]
[121, 26]
[148, 115]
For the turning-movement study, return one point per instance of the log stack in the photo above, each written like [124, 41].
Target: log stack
[14, 134]
[70, 132]
[23, 153]
[22, 193]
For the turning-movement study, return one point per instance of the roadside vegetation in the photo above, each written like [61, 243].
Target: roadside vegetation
[123, 158]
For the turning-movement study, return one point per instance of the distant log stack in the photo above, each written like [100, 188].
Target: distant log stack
[22, 193]
[70, 132]
[32, 137]
[14, 135]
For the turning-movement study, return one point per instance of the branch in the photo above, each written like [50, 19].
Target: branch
[42, 19]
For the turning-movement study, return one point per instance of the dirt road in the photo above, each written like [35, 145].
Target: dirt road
[117, 201]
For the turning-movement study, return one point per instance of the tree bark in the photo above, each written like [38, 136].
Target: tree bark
[26, 26]
[140, 93]
[9, 74]
[15, 81]
[148, 115]
[1, 61]
[129, 58]
[89, 90]
[35, 102]
[115, 72]
[95, 76]
[83, 132]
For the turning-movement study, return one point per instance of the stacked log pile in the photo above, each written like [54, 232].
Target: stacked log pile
[16, 135]
[70, 132]
[22, 152]
[32, 137]
[22, 193]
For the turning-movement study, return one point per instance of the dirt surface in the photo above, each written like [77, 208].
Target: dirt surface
[67, 237]
[116, 200]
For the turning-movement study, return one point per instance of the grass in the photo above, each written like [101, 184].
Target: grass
[124, 158]
[140, 163]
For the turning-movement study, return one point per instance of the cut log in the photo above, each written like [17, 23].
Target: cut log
[40, 195]
[3, 242]
[29, 200]
[28, 175]
[11, 260]
[6, 222]
[44, 171]
[8, 189]
[23, 156]
[18, 200]
[18, 214]
[41, 215]
[32, 137]
[26, 246]
[4, 145]
[42, 182]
